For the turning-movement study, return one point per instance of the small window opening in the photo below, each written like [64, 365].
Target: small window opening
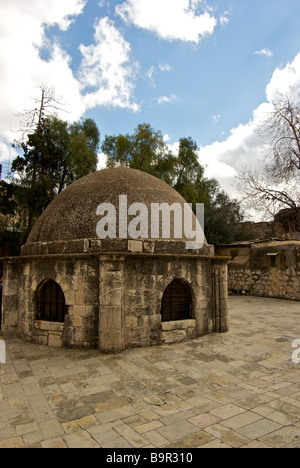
[177, 302]
[51, 303]
[273, 259]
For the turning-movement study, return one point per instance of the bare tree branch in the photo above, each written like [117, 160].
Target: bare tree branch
[277, 184]
[45, 104]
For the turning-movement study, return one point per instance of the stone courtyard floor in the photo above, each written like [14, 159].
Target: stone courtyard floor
[240, 389]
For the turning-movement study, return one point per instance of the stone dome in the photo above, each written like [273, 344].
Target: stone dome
[71, 216]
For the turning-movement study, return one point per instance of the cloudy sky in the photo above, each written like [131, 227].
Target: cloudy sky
[208, 69]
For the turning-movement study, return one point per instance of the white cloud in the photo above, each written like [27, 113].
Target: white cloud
[165, 67]
[107, 69]
[283, 79]
[106, 77]
[165, 99]
[101, 161]
[22, 70]
[224, 20]
[265, 52]
[183, 20]
[215, 118]
[149, 75]
[243, 147]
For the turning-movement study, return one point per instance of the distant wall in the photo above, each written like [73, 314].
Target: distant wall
[264, 230]
[270, 269]
[286, 226]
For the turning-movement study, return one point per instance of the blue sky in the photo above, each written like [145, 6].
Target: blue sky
[205, 69]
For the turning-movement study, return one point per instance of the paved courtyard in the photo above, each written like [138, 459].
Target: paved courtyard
[240, 389]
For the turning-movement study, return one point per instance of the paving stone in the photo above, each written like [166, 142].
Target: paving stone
[131, 435]
[108, 439]
[15, 442]
[240, 389]
[215, 444]
[204, 420]
[177, 431]
[286, 436]
[227, 411]
[156, 439]
[258, 429]
[226, 435]
[57, 443]
[193, 441]
[150, 426]
[241, 420]
[256, 444]
[32, 438]
[80, 439]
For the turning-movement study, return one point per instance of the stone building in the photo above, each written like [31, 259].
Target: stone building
[71, 289]
[266, 268]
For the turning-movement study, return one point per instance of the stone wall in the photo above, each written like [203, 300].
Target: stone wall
[131, 292]
[270, 270]
[263, 230]
[277, 284]
[78, 279]
[113, 301]
[285, 226]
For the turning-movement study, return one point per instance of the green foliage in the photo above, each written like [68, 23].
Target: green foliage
[146, 150]
[222, 218]
[54, 155]
[8, 204]
[10, 241]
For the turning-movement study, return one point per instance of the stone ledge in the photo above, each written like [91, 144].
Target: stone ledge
[178, 331]
[49, 326]
[178, 325]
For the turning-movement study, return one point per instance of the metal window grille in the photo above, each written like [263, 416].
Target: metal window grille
[51, 303]
[177, 302]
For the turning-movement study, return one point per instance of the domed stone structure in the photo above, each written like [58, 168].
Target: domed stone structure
[72, 287]
[72, 215]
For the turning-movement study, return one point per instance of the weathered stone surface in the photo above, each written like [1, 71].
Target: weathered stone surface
[113, 289]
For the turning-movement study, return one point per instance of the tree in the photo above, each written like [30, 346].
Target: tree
[276, 184]
[8, 204]
[54, 155]
[222, 218]
[146, 150]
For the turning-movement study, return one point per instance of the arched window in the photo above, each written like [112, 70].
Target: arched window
[177, 302]
[51, 305]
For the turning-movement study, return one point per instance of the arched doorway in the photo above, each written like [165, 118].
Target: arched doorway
[177, 302]
[51, 306]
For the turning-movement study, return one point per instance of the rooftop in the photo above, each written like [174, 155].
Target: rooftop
[72, 214]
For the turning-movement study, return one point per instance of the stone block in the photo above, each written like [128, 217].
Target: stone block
[49, 326]
[178, 325]
[41, 340]
[54, 340]
[113, 297]
[79, 310]
[77, 321]
[135, 246]
[79, 297]
[174, 336]
[131, 322]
